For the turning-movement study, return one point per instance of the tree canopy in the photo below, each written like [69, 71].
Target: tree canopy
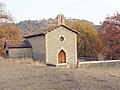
[110, 36]
[88, 41]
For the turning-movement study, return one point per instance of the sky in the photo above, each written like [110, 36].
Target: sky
[91, 10]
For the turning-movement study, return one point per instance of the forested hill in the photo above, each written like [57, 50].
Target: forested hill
[35, 26]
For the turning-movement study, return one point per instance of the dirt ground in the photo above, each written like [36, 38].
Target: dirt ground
[16, 76]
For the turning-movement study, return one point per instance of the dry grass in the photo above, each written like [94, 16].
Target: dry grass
[1, 58]
[27, 61]
[25, 74]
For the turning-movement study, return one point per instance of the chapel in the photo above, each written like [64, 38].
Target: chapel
[54, 46]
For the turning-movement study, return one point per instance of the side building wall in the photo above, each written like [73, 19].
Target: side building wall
[38, 46]
[54, 46]
[20, 53]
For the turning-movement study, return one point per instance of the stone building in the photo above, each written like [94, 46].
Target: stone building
[56, 45]
[14, 50]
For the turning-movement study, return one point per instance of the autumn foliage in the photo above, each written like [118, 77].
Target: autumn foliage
[89, 44]
[7, 30]
[110, 37]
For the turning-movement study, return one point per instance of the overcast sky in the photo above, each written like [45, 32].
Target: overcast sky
[92, 10]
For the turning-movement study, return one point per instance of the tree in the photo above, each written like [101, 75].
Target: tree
[7, 30]
[109, 34]
[10, 31]
[88, 42]
[4, 16]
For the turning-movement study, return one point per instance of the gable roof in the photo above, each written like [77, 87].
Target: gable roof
[43, 32]
[14, 44]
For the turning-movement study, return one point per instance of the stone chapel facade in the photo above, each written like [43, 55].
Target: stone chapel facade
[56, 45]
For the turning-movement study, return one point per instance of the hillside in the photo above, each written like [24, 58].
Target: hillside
[35, 26]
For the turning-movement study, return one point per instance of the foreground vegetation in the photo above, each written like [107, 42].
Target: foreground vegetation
[26, 61]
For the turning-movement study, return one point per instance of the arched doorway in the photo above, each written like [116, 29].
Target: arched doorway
[62, 57]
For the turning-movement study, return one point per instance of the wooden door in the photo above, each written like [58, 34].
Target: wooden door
[62, 57]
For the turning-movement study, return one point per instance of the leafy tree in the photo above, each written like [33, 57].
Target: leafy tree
[7, 30]
[88, 42]
[110, 36]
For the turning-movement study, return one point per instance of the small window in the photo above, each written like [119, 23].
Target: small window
[61, 38]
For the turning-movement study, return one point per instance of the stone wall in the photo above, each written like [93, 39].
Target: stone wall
[20, 53]
[108, 63]
[38, 46]
[54, 46]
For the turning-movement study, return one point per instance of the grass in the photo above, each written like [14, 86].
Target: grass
[27, 61]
